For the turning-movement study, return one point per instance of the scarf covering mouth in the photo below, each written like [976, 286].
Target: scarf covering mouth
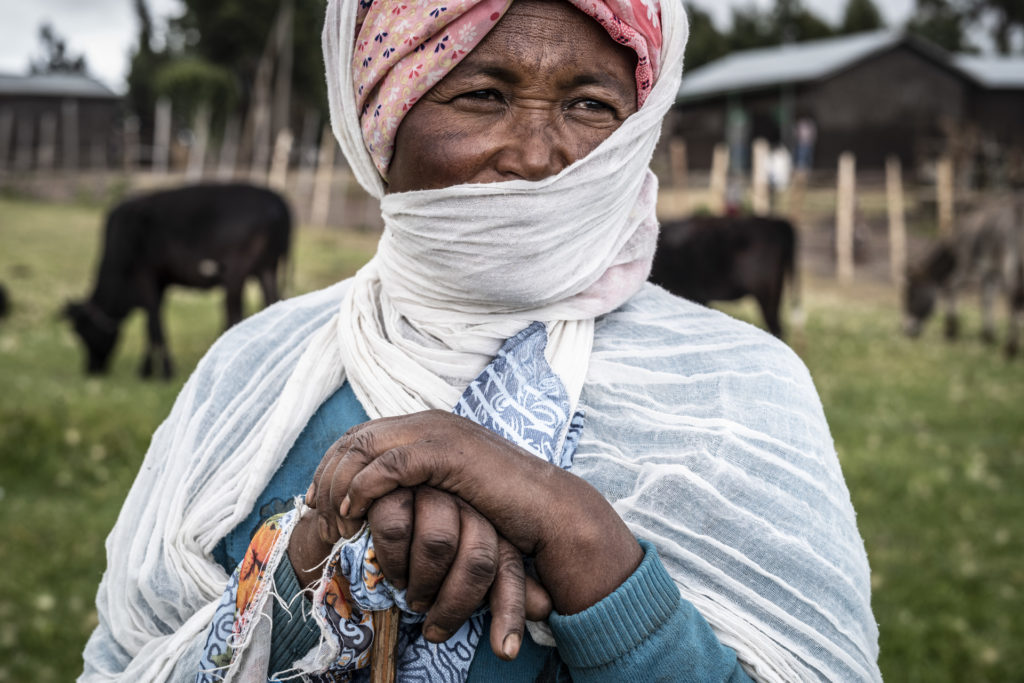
[403, 49]
[461, 269]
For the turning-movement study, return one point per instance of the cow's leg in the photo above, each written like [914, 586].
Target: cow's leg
[769, 299]
[268, 282]
[952, 319]
[157, 355]
[989, 290]
[235, 286]
[1016, 299]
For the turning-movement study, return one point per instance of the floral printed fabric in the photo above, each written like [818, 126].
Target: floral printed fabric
[404, 48]
[239, 602]
[517, 396]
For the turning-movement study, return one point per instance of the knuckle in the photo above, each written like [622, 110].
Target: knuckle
[439, 544]
[393, 530]
[481, 566]
[448, 616]
[395, 462]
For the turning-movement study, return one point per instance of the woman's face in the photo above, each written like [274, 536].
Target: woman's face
[545, 87]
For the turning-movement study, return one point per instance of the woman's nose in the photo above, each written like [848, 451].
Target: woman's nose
[536, 146]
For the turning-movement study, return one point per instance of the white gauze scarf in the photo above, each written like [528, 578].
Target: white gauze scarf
[460, 269]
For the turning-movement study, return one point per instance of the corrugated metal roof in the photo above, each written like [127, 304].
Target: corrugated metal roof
[993, 72]
[54, 85]
[791, 63]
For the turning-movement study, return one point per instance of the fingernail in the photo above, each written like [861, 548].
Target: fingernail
[345, 505]
[435, 634]
[321, 526]
[420, 607]
[309, 494]
[510, 647]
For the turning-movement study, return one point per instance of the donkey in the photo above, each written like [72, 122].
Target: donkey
[988, 254]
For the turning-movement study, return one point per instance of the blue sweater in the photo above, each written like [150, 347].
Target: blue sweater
[643, 631]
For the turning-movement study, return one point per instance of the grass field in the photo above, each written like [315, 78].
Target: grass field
[931, 438]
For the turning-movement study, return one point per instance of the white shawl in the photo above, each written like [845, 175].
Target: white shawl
[407, 337]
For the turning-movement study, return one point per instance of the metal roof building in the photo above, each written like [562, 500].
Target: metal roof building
[876, 93]
[56, 120]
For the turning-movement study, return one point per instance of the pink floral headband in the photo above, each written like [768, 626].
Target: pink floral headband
[405, 48]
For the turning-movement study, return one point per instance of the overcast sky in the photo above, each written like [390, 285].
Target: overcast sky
[105, 30]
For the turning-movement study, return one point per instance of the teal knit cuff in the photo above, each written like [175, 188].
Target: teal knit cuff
[292, 636]
[620, 622]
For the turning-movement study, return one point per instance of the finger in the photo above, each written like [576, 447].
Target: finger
[467, 582]
[407, 465]
[391, 523]
[435, 543]
[327, 519]
[332, 454]
[538, 601]
[508, 602]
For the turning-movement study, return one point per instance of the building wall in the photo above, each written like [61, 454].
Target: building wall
[892, 103]
[898, 102]
[97, 130]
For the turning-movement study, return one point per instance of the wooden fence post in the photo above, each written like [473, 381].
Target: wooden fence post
[760, 200]
[200, 140]
[162, 136]
[228, 156]
[679, 168]
[324, 178]
[719, 178]
[897, 220]
[279, 165]
[944, 195]
[846, 203]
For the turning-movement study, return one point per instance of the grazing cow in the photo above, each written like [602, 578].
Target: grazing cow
[711, 258]
[988, 254]
[200, 236]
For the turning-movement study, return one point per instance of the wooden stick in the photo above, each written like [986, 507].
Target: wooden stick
[897, 220]
[719, 178]
[760, 199]
[322, 182]
[846, 204]
[944, 195]
[385, 642]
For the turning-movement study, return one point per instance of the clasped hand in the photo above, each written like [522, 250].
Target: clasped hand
[453, 508]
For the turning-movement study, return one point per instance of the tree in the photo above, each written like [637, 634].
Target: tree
[941, 23]
[1005, 17]
[56, 58]
[233, 34]
[788, 22]
[861, 15]
[706, 42]
[145, 64]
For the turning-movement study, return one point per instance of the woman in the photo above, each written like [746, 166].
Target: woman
[704, 531]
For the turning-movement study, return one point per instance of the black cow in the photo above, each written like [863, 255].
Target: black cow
[711, 258]
[199, 236]
[988, 253]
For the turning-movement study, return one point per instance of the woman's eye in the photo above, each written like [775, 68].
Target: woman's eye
[481, 95]
[594, 105]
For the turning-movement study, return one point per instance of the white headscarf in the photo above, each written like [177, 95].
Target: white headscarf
[728, 469]
[460, 269]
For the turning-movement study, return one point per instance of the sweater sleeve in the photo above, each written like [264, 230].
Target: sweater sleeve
[644, 631]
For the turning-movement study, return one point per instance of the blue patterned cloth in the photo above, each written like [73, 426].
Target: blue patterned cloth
[517, 396]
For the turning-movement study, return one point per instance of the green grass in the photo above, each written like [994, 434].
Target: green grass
[931, 437]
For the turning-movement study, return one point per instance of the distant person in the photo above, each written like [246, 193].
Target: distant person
[806, 139]
[780, 172]
[523, 429]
